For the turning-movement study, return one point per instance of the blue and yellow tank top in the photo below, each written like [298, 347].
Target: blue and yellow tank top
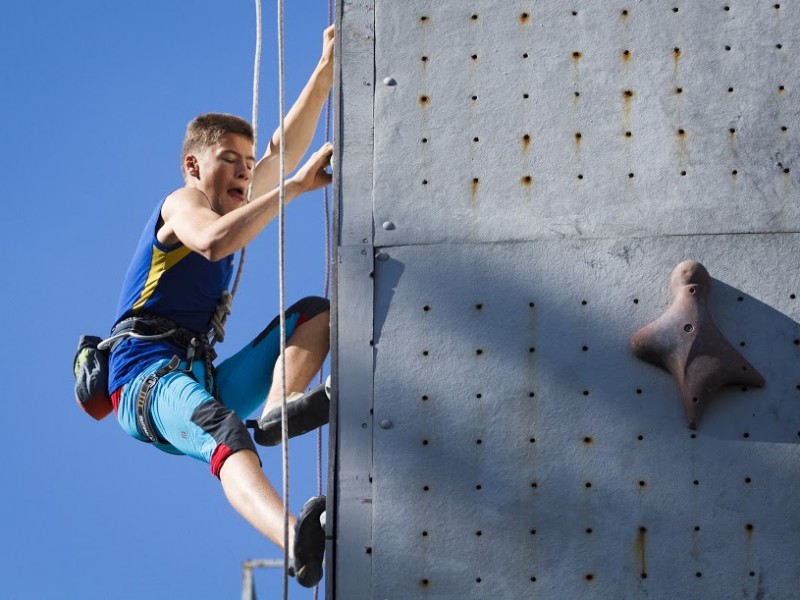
[171, 282]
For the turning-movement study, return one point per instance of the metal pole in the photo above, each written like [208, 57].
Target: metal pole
[248, 584]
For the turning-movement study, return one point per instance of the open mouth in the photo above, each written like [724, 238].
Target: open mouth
[237, 193]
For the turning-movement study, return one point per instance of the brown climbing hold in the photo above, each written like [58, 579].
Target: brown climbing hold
[686, 342]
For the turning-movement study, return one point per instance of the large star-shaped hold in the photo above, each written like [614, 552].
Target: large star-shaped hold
[686, 342]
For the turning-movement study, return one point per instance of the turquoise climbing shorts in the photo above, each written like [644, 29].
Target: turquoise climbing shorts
[193, 422]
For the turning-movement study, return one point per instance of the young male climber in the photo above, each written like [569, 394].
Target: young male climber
[162, 383]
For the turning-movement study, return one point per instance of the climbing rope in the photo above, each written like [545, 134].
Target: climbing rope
[223, 309]
[282, 309]
[326, 285]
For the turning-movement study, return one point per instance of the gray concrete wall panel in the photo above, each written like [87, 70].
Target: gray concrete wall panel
[354, 122]
[494, 434]
[353, 441]
[351, 366]
[435, 182]
[522, 451]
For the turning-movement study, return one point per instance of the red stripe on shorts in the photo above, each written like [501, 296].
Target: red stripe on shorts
[218, 458]
[116, 396]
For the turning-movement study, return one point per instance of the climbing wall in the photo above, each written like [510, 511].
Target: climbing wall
[516, 180]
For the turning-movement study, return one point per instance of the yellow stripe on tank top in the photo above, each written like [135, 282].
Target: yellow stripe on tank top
[159, 264]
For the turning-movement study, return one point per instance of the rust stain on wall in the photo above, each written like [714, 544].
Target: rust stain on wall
[626, 56]
[476, 183]
[640, 550]
[627, 99]
[526, 142]
[680, 135]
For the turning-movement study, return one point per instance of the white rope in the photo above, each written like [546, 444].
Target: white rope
[223, 309]
[326, 286]
[254, 122]
[254, 112]
[282, 294]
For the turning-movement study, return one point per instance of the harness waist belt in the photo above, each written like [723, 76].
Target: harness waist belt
[154, 327]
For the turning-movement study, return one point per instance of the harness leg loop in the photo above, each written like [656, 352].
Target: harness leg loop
[144, 420]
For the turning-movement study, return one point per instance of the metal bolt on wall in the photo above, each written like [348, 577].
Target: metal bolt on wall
[516, 180]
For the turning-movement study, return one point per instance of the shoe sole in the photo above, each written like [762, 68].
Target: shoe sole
[309, 543]
[310, 411]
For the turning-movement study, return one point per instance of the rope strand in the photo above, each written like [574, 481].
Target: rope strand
[223, 309]
[326, 285]
[282, 294]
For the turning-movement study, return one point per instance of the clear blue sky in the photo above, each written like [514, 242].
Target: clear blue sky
[95, 98]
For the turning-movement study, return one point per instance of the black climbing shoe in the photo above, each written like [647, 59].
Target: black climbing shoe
[309, 411]
[309, 543]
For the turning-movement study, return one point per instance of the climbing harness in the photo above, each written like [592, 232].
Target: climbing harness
[144, 420]
[91, 361]
[154, 328]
